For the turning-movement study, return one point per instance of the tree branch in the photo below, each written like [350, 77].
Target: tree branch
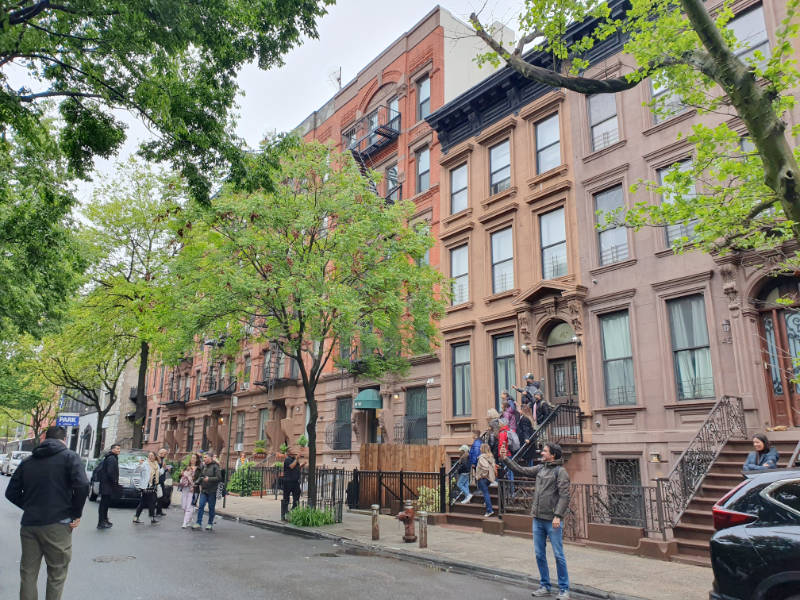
[54, 94]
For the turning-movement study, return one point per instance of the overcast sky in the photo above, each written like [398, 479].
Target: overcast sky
[350, 36]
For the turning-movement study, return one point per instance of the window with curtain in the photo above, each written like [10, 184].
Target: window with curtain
[423, 170]
[458, 189]
[502, 261]
[603, 122]
[240, 427]
[613, 240]
[617, 359]
[554, 244]
[668, 101]
[197, 384]
[189, 434]
[423, 98]
[263, 417]
[676, 231]
[690, 347]
[751, 34]
[462, 396]
[459, 272]
[504, 369]
[548, 144]
[149, 421]
[500, 167]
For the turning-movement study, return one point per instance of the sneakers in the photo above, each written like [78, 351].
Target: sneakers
[184, 526]
[137, 520]
[153, 521]
[542, 591]
[209, 527]
[489, 514]
[563, 595]
[467, 499]
[195, 526]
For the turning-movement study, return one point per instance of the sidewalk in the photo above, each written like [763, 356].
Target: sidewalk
[590, 570]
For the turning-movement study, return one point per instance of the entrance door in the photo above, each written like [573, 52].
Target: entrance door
[563, 380]
[416, 421]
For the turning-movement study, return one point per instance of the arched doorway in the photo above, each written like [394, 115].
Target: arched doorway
[561, 385]
[779, 328]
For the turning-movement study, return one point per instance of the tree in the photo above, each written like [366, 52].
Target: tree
[174, 64]
[129, 234]
[317, 261]
[747, 198]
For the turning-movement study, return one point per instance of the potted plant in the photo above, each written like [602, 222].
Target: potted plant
[260, 449]
[282, 451]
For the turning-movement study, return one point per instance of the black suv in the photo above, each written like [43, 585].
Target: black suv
[755, 552]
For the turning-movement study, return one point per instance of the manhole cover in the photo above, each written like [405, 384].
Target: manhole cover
[110, 558]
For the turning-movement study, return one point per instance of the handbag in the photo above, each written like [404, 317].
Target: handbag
[220, 489]
[159, 491]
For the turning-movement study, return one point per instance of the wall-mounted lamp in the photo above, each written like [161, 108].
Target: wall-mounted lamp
[655, 457]
[525, 348]
[395, 396]
[221, 420]
[726, 326]
[576, 340]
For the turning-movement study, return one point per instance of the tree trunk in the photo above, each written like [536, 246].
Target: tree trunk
[141, 397]
[98, 436]
[312, 445]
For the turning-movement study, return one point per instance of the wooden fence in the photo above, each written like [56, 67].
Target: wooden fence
[402, 457]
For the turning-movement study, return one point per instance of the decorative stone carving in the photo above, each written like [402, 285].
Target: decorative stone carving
[524, 323]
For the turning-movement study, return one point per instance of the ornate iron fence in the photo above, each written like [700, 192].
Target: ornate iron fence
[561, 425]
[389, 489]
[330, 486]
[725, 421]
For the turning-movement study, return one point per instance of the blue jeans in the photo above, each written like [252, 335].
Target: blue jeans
[211, 500]
[543, 529]
[463, 483]
[483, 484]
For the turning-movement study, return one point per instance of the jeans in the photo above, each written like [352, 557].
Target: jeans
[483, 484]
[147, 499]
[211, 500]
[543, 529]
[54, 543]
[463, 483]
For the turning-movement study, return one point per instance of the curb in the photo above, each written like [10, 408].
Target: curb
[444, 564]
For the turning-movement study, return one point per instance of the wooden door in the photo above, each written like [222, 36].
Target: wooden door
[780, 345]
[562, 382]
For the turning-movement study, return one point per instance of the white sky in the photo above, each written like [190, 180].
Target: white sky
[350, 36]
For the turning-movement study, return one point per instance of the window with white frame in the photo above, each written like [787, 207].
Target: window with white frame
[676, 231]
[612, 239]
[458, 189]
[603, 122]
[462, 395]
[393, 118]
[459, 272]
[751, 34]
[240, 427]
[502, 260]
[617, 359]
[548, 144]
[246, 372]
[423, 98]
[667, 103]
[505, 375]
[690, 347]
[554, 244]
[423, 170]
[393, 187]
[500, 167]
[263, 418]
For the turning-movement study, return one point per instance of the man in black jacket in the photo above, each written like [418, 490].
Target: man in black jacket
[108, 476]
[291, 481]
[51, 488]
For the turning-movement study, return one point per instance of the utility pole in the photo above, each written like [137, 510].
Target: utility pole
[234, 402]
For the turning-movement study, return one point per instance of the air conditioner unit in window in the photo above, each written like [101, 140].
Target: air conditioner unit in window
[144, 438]
[245, 385]
[239, 448]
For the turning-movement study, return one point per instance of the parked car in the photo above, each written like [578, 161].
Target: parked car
[16, 457]
[754, 553]
[128, 479]
[4, 458]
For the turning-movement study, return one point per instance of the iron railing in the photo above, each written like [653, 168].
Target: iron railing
[330, 487]
[390, 489]
[372, 132]
[338, 435]
[561, 425]
[412, 430]
[725, 421]
[794, 459]
[176, 396]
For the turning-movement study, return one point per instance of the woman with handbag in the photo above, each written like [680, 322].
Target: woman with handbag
[486, 473]
[148, 472]
[186, 487]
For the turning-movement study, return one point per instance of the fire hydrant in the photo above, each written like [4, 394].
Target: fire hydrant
[407, 518]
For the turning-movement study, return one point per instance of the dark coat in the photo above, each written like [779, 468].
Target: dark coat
[212, 471]
[524, 429]
[108, 476]
[50, 486]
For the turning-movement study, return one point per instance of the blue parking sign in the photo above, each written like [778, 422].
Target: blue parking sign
[67, 420]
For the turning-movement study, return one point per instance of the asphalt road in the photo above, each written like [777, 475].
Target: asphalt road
[165, 562]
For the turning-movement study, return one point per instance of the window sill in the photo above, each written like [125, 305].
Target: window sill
[603, 151]
[458, 307]
[613, 266]
[460, 420]
[671, 251]
[463, 214]
[507, 193]
[501, 295]
[679, 118]
[551, 174]
[695, 403]
[622, 408]
[422, 195]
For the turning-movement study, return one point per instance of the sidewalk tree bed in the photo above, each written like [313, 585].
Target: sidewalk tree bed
[306, 516]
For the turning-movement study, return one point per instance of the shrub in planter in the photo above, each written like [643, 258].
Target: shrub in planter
[428, 498]
[305, 516]
[245, 481]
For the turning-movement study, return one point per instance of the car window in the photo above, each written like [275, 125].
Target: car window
[750, 501]
[788, 494]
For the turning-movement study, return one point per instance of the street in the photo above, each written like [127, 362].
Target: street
[165, 562]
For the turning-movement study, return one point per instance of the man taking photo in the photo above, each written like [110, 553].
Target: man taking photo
[108, 477]
[51, 488]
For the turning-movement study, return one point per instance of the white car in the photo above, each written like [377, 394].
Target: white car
[16, 458]
[4, 458]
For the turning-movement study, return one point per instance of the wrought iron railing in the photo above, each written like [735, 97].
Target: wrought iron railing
[390, 489]
[373, 131]
[725, 421]
[330, 486]
[338, 435]
[412, 430]
[561, 425]
[794, 459]
[176, 396]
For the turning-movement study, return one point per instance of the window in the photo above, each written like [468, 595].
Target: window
[197, 382]
[462, 401]
[263, 417]
[423, 98]
[666, 101]
[246, 374]
[206, 423]
[423, 170]
[751, 34]
[149, 421]
[617, 359]
[690, 350]
[458, 189]
[613, 239]
[459, 271]
[341, 435]
[500, 167]
[158, 423]
[393, 120]
[676, 231]
[788, 494]
[504, 370]
[294, 369]
[603, 124]
[189, 435]
[548, 145]
[554, 244]
[502, 261]
[415, 426]
[240, 427]
[161, 380]
[393, 187]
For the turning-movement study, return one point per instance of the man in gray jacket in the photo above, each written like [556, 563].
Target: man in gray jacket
[550, 504]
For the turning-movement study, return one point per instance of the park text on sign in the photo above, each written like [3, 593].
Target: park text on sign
[67, 420]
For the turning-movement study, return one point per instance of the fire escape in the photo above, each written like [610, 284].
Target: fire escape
[370, 134]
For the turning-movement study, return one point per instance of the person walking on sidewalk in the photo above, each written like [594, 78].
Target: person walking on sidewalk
[291, 481]
[186, 487]
[147, 471]
[108, 477]
[208, 477]
[486, 473]
[163, 471]
[51, 488]
[462, 472]
[550, 503]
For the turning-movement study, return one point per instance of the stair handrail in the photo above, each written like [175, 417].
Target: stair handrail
[542, 432]
[725, 421]
[794, 458]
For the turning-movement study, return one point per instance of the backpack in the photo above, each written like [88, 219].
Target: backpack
[513, 440]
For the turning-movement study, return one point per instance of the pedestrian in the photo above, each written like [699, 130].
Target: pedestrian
[240, 461]
[147, 470]
[208, 477]
[486, 473]
[550, 503]
[762, 457]
[108, 476]
[540, 409]
[164, 468]
[509, 410]
[475, 449]
[186, 488]
[50, 487]
[462, 472]
[525, 425]
[291, 481]
[531, 387]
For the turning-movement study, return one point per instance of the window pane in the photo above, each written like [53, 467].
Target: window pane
[458, 189]
[461, 353]
[458, 201]
[503, 276]
[423, 161]
[687, 318]
[693, 374]
[601, 108]
[424, 97]
[547, 132]
[616, 335]
[613, 245]
[605, 133]
[504, 345]
[502, 248]
[554, 261]
[553, 229]
[617, 362]
[500, 156]
[608, 200]
[461, 289]
[750, 31]
[788, 494]
[459, 263]
[549, 158]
